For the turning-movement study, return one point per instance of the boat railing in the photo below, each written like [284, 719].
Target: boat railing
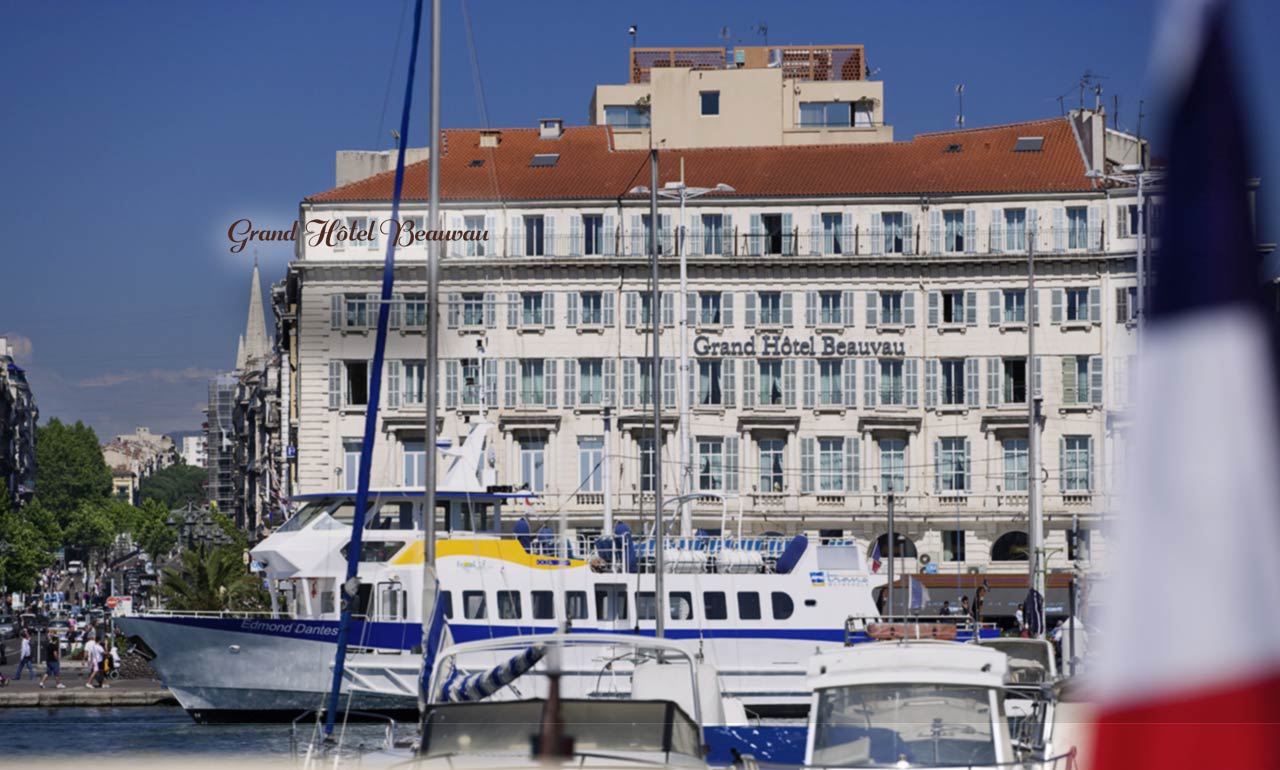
[696, 553]
[321, 746]
[231, 614]
[913, 626]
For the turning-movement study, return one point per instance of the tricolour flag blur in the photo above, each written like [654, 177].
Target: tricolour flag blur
[1189, 672]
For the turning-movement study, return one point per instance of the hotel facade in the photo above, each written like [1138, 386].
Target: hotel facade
[857, 320]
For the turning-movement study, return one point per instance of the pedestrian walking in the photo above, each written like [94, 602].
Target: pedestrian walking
[24, 658]
[93, 654]
[1020, 618]
[52, 662]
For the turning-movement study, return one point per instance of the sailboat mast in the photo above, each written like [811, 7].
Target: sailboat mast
[655, 395]
[433, 310]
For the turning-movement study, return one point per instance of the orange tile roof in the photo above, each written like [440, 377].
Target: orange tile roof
[588, 167]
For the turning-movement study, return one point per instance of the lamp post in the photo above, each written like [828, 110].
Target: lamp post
[683, 193]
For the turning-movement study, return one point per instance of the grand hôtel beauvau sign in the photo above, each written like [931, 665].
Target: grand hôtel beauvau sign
[786, 346]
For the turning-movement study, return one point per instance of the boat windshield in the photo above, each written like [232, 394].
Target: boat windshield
[597, 727]
[1029, 661]
[887, 725]
[303, 517]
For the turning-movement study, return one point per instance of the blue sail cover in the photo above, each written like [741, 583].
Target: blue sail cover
[459, 688]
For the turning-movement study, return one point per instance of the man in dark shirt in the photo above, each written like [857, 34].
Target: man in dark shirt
[53, 665]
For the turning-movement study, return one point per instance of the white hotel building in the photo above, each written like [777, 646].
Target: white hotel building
[857, 309]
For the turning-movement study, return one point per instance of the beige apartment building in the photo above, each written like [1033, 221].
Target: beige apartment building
[858, 324]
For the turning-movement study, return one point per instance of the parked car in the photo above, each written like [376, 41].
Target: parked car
[8, 627]
[75, 567]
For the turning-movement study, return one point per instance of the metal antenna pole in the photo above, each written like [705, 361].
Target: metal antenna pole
[889, 604]
[655, 395]
[607, 470]
[433, 309]
[1036, 576]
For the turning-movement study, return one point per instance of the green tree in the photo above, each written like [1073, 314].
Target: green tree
[24, 547]
[70, 468]
[90, 528]
[229, 528]
[153, 533]
[212, 581]
[175, 485]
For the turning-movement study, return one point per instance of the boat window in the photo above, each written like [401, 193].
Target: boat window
[304, 516]
[544, 607]
[934, 725]
[575, 605]
[372, 551]
[394, 515]
[446, 601]
[783, 606]
[473, 605]
[360, 605]
[681, 605]
[646, 606]
[748, 605]
[324, 522]
[611, 601]
[509, 605]
[328, 605]
[392, 600]
[715, 606]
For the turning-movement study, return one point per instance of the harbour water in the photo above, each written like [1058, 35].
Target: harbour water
[123, 732]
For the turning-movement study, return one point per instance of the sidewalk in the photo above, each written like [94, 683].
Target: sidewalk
[122, 692]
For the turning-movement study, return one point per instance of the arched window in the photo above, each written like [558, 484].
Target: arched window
[906, 547]
[1011, 546]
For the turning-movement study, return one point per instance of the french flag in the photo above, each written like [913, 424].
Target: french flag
[1189, 674]
[875, 558]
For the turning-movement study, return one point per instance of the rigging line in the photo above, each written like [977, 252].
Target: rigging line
[386, 95]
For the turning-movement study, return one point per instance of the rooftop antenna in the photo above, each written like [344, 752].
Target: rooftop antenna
[1090, 78]
[762, 29]
[1141, 115]
[632, 30]
[960, 99]
[1115, 111]
[1062, 105]
[1097, 97]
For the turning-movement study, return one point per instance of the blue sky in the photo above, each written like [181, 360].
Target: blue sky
[134, 133]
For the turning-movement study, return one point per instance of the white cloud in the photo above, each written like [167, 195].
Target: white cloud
[170, 376]
[20, 347]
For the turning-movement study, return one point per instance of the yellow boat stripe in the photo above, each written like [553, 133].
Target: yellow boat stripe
[504, 550]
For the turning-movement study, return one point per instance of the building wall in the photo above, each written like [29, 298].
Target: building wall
[18, 417]
[985, 511]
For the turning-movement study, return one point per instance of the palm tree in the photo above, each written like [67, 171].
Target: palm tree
[211, 581]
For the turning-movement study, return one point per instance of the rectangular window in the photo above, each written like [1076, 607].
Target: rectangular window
[591, 306]
[953, 308]
[1075, 380]
[748, 605]
[533, 454]
[592, 234]
[712, 233]
[1015, 229]
[953, 545]
[611, 602]
[953, 464]
[534, 225]
[472, 384]
[773, 234]
[715, 605]
[828, 114]
[1015, 381]
[952, 381]
[509, 605]
[646, 606]
[357, 383]
[890, 308]
[414, 384]
[770, 308]
[415, 464]
[830, 382]
[830, 465]
[590, 381]
[953, 222]
[893, 464]
[709, 383]
[1077, 302]
[894, 232]
[531, 382]
[473, 605]
[648, 466]
[474, 224]
[1077, 227]
[709, 308]
[830, 311]
[544, 607]
[710, 464]
[644, 369]
[575, 605]
[771, 451]
[358, 313]
[1015, 306]
[1015, 465]
[626, 116]
[769, 378]
[710, 103]
[646, 309]
[832, 232]
[590, 459]
[892, 392]
[531, 309]
[1076, 463]
[473, 310]
[350, 462]
[415, 310]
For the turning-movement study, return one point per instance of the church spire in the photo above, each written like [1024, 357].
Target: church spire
[256, 345]
[240, 359]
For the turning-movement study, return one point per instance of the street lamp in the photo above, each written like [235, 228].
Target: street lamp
[683, 193]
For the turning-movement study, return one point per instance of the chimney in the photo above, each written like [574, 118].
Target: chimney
[490, 138]
[550, 128]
